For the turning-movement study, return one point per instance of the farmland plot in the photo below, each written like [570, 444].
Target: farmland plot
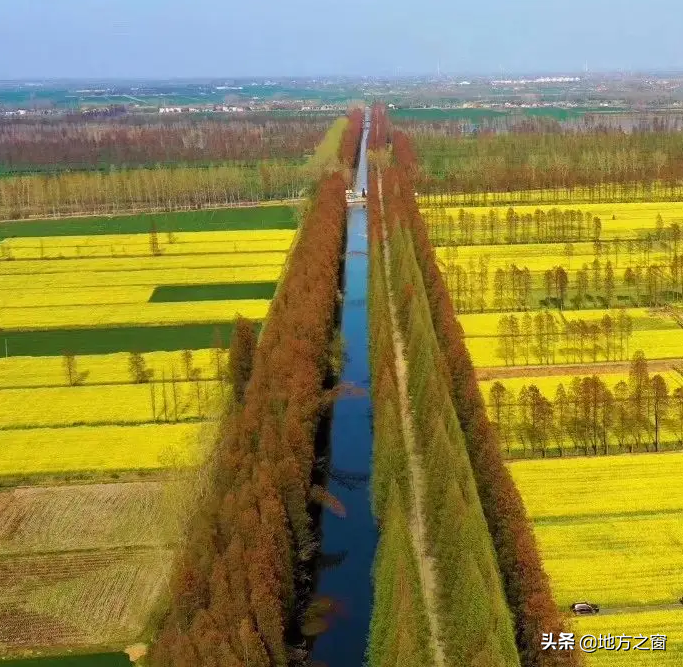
[84, 565]
[609, 528]
[78, 303]
[89, 516]
[647, 623]
[79, 599]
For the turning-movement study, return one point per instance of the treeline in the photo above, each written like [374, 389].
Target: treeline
[179, 186]
[553, 226]
[526, 585]
[473, 611]
[596, 285]
[540, 338]
[29, 145]
[237, 591]
[473, 617]
[350, 146]
[588, 417]
[159, 189]
[399, 631]
[602, 161]
[515, 123]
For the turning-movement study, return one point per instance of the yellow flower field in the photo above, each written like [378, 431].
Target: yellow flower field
[79, 279]
[609, 528]
[138, 245]
[631, 483]
[646, 623]
[101, 368]
[538, 257]
[581, 558]
[657, 335]
[666, 344]
[107, 422]
[36, 296]
[548, 384]
[486, 324]
[107, 404]
[147, 314]
[629, 217]
[108, 264]
[101, 448]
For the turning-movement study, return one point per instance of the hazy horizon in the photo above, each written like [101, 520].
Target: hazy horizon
[206, 39]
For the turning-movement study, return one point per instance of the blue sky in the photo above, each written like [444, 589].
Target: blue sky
[223, 38]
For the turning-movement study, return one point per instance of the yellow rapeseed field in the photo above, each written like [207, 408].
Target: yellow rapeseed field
[628, 217]
[101, 448]
[628, 483]
[148, 314]
[609, 527]
[138, 245]
[646, 623]
[101, 368]
[23, 286]
[548, 384]
[657, 335]
[539, 257]
[109, 264]
[108, 404]
[107, 422]
[486, 324]
[43, 296]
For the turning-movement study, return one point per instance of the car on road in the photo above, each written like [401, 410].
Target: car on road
[584, 608]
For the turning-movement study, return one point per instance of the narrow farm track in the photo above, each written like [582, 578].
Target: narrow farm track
[601, 368]
[418, 531]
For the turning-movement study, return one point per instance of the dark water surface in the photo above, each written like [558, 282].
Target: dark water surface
[349, 584]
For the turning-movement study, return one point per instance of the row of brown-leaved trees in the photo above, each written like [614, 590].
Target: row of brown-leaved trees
[525, 582]
[77, 142]
[236, 590]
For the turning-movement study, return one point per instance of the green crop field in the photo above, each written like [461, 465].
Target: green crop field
[227, 292]
[109, 340]
[242, 218]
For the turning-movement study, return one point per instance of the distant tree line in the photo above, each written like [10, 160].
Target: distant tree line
[526, 584]
[515, 123]
[160, 189]
[181, 185]
[610, 164]
[588, 417]
[56, 145]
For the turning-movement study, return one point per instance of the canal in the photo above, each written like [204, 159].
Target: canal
[354, 537]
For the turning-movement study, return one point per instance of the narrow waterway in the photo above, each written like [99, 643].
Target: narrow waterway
[354, 537]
